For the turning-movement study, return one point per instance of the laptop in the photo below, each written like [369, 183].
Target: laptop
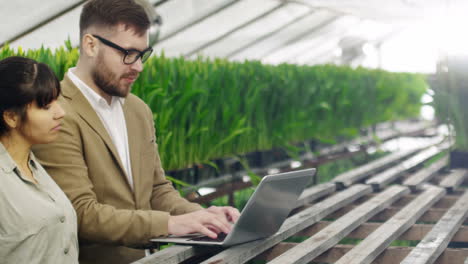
[262, 216]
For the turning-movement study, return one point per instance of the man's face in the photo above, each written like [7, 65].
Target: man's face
[110, 73]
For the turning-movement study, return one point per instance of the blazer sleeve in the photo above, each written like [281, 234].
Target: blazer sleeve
[164, 197]
[97, 222]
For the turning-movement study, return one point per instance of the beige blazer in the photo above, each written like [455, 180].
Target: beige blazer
[86, 165]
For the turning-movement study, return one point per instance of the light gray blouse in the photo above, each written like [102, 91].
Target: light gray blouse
[37, 221]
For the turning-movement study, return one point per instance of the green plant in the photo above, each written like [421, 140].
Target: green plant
[450, 92]
[208, 109]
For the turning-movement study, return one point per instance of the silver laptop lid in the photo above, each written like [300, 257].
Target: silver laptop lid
[269, 206]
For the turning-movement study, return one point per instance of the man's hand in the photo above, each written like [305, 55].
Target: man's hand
[210, 221]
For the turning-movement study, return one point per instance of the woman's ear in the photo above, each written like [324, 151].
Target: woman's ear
[11, 119]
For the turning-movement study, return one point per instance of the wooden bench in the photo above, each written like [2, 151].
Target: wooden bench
[428, 205]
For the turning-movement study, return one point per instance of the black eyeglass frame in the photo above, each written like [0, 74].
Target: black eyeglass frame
[126, 52]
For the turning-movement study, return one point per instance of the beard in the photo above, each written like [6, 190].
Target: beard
[108, 81]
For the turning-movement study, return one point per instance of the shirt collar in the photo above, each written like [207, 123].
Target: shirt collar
[33, 160]
[7, 164]
[93, 97]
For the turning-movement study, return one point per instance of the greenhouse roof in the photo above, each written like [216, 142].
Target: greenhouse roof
[352, 32]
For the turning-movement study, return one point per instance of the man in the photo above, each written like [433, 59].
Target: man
[106, 158]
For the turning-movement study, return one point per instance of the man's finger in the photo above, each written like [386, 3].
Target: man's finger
[207, 232]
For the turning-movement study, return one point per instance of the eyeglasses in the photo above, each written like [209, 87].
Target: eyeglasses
[130, 55]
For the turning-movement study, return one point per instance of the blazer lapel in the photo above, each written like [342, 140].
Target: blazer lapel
[133, 146]
[82, 106]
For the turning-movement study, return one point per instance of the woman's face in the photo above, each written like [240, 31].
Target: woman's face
[42, 125]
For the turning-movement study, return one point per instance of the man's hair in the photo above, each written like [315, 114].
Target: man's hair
[109, 13]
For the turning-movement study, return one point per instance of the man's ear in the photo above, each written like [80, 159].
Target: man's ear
[89, 45]
[11, 119]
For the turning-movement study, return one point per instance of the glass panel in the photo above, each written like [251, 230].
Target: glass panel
[323, 46]
[319, 46]
[54, 33]
[259, 28]
[371, 30]
[277, 41]
[19, 16]
[326, 51]
[315, 49]
[213, 27]
[178, 13]
[384, 10]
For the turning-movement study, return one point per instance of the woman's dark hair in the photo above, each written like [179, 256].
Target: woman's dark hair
[23, 81]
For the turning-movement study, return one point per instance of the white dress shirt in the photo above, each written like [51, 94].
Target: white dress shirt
[112, 117]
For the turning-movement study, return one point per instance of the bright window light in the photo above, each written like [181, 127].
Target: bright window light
[426, 98]
[245, 178]
[273, 171]
[449, 31]
[295, 164]
[427, 112]
[205, 190]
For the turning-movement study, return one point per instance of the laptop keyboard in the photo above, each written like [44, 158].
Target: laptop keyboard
[220, 238]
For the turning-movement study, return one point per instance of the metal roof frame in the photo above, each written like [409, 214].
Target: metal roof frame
[379, 42]
[55, 16]
[44, 22]
[301, 52]
[269, 34]
[223, 36]
[197, 20]
[301, 35]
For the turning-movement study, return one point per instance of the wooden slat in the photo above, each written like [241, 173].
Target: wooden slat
[373, 245]
[355, 175]
[452, 181]
[445, 202]
[315, 192]
[434, 243]
[244, 252]
[382, 134]
[172, 255]
[387, 134]
[415, 181]
[331, 235]
[416, 232]
[391, 255]
[382, 179]
[431, 215]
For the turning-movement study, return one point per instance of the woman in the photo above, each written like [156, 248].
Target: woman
[37, 221]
